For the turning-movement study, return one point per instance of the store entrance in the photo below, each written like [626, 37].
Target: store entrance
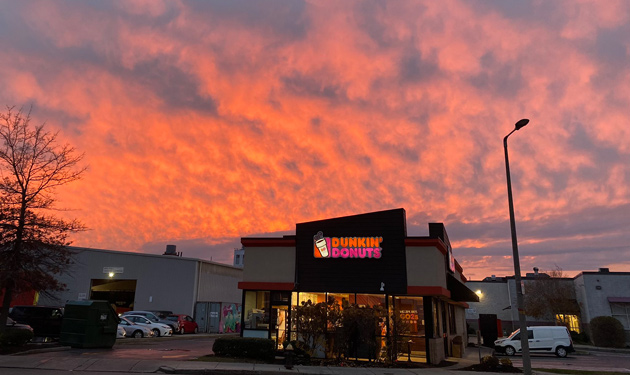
[280, 315]
[119, 293]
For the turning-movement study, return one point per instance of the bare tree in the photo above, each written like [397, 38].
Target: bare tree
[549, 295]
[33, 242]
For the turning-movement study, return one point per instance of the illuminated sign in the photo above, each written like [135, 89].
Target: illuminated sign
[346, 247]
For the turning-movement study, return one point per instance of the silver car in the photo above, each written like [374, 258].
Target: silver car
[152, 317]
[135, 330]
[157, 328]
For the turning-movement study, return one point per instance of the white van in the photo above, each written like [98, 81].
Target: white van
[543, 339]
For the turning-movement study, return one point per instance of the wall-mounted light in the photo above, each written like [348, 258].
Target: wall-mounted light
[111, 274]
[479, 292]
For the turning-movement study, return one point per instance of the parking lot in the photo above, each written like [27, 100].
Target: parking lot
[178, 347]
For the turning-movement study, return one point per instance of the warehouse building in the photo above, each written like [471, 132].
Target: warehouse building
[205, 290]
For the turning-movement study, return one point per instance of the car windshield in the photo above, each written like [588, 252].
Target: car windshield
[514, 333]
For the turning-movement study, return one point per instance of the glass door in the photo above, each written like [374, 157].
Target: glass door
[280, 315]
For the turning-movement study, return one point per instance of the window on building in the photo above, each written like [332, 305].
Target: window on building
[452, 325]
[570, 321]
[257, 310]
[621, 312]
[370, 300]
[411, 312]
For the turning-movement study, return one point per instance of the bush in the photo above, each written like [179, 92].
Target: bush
[607, 332]
[580, 338]
[245, 347]
[15, 337]
[506, 362]
[490, 361]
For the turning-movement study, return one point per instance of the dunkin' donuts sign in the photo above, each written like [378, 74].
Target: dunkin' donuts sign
[346, 247]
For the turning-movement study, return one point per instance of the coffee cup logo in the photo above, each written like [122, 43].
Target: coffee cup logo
[320, 244]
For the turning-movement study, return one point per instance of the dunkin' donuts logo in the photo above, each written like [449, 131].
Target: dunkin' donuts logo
[346, 247]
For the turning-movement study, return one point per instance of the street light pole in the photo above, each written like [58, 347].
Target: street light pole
[527, 366]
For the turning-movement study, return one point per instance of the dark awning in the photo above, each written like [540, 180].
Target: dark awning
[459, 291]
[619, 299]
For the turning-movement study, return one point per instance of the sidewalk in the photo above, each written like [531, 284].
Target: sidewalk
[591, 348]
[46, 362]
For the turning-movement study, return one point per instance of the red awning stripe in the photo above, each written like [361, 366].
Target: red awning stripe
[254, 285]
[428, 291]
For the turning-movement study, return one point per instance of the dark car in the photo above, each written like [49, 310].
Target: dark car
[20, 339]
[13, 325]
[185, 323]
[45, 320]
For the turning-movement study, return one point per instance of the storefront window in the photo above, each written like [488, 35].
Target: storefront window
[436, 327]
[315, 298]
[452, 325]
[371, 300]
[411, 313]
[342, 299]
[256, 310]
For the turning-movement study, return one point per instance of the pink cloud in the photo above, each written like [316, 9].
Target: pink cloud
[215, 121]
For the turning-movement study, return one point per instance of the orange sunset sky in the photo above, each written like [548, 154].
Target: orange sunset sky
[206, 121]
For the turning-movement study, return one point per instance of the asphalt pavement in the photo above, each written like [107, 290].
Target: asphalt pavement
[37, 360]
[47, 361]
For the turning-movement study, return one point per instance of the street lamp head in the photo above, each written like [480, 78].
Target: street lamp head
[521, 123]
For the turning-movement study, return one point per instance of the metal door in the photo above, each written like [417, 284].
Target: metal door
[214, 317]
[201, 316]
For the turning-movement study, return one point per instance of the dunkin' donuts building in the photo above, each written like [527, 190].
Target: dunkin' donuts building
[367, 260]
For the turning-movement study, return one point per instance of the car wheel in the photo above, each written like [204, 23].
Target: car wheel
[510, 351]
[561, 352]
[138, 334]
[156, 332]
[196, 330]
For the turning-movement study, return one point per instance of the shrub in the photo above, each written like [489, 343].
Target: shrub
[580, 338]
[506, 362]
[490, 361]
[15, 337]
[607, 332]
[245, 347]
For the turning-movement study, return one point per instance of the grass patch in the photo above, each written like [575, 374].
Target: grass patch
[580, 372]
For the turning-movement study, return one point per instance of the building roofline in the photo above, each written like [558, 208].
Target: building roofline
[170, 257]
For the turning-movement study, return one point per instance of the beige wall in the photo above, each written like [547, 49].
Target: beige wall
[219, 283]
[425, 267]
[269, 264]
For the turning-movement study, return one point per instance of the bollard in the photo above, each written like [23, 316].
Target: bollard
[409, 350]
[288, 357]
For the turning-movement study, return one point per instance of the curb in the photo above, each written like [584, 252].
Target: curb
[170, 370]
[43, 350]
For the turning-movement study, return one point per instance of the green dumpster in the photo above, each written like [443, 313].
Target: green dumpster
[89, 324]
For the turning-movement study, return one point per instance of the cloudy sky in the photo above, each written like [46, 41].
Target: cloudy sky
[206, 121]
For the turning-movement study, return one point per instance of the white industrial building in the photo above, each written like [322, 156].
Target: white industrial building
[136, 281]
[597, 293]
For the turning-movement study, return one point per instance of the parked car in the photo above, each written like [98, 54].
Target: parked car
[13, 325]
[185, 323]
[542, 339]
[120, 332]
[135, 330]
[162, 314]
[45, 320]
[158, 329]
[151, 316]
